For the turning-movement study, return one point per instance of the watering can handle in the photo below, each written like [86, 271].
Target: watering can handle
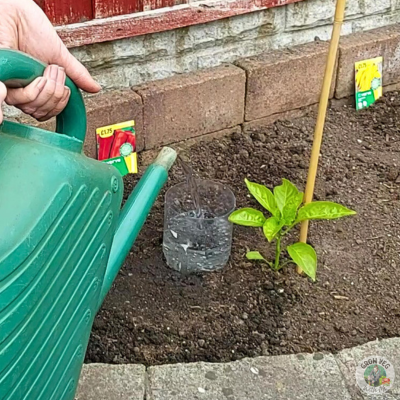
[21, 69]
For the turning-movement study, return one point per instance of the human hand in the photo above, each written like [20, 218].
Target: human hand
[44, 98]
[25, 27]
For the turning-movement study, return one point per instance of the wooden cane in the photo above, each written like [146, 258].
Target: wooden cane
[323, 105]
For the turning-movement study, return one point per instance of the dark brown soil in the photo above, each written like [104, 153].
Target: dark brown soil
[154, 316]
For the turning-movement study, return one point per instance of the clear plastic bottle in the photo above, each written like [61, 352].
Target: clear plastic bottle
[198, 244]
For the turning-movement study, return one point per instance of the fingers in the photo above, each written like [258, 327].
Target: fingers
[45, 98]
[51, 94]
[47, 104]
[46, 45]
[77, 72]
[27, 94]
[3, 94]
[58, 108]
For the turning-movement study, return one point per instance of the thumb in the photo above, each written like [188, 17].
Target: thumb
[3, 95]
[77, 72]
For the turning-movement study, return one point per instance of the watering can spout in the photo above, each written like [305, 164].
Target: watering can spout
[134, 214]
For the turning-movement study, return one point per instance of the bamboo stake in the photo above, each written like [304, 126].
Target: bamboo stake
[323, 105]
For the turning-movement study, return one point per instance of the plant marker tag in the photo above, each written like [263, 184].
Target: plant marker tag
[116, 145]
[368, 76]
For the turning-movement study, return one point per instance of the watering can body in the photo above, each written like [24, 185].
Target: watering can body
[59, 214]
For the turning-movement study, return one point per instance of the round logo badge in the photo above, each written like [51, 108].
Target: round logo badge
[375, 84]
[126, 149]
[375, 375]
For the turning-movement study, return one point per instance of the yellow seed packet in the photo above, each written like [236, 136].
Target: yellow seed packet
[368, 76]
[116, 145]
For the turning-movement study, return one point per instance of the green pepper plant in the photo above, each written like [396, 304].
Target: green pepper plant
[285, 204]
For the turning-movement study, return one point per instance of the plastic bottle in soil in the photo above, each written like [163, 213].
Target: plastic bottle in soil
[197, 233]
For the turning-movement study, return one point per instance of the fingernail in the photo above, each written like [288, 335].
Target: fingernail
[47, 71]
[54, 73]
[41, 83]
[98, 86]
[61, 76]
[68, 91]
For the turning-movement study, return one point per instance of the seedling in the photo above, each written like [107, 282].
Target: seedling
[286, 209]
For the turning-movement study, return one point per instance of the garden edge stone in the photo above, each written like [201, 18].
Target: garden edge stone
[348, 360]
[342, 364]
[112, 382]
[369, 44]
[269, 378]
[285, 79]
[192, 105]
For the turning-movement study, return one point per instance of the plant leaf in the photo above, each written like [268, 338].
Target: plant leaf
[247, 217]
[271, 227]
[255, 255]
[323, 210]
[305, 257]
[288, 199]
[264, 196]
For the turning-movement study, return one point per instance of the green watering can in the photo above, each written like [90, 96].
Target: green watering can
[63, 240]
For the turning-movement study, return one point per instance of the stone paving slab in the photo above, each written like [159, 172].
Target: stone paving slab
[348, 360]
[112, 382]
[296, 377]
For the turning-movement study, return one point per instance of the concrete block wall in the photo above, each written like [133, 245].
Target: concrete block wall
[283, 80]
[192, 105]
[244, 97]
[361, 46]
[129, 62]
[251, 94]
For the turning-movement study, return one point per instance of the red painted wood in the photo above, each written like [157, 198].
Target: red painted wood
[171, 3]
[63, 12]
[152, 4]
[40, 3]
[109, 8]
[160, 20]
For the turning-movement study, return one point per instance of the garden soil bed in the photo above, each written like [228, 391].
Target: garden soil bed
[155, 316]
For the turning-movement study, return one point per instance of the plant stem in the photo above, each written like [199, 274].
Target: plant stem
[278, 251]
[286, 231]
[286, 263]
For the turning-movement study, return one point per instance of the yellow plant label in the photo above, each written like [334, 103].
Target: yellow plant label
[368, 83]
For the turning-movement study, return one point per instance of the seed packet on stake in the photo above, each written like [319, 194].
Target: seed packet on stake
[368, 82]
[116, 145]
